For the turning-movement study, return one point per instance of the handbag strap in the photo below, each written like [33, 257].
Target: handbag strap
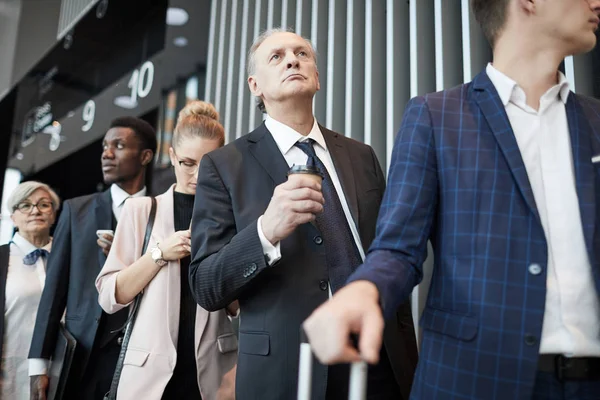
[4, 259]
[112, 394]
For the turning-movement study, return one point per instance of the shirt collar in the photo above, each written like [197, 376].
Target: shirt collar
[25, 246]
[507, 88]
[119, 196]
[286, 137]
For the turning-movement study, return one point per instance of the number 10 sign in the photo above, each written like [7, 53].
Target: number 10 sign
[140, 85]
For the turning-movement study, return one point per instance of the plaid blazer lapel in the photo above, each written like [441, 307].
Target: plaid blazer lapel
[488, 101]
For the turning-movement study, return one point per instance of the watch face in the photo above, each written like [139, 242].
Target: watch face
[156, 254]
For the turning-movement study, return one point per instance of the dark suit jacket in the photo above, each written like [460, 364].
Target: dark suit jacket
[72, 268]
[235, 185]
[457, 176]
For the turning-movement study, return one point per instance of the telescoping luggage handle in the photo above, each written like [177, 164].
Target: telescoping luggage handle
[358, 374]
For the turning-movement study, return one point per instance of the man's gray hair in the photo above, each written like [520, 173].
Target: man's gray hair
[251, 62]
[25, 189]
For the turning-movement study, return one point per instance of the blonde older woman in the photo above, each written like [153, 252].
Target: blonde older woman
[33, 207]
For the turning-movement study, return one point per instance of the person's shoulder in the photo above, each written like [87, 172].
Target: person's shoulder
[446, 95]
[238, 148]
[82, 201]
[345, 140]
[592, 103]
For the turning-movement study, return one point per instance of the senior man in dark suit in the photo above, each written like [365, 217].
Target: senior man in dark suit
[282, 246]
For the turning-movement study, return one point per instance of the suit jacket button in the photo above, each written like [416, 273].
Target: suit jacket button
[323, 285]
[535, 269]
[530, 340]
[318, 240]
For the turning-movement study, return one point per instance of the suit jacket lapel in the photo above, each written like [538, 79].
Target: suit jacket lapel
[263, 147]
[581, 145]
[486, 97]
[103, 214]
[343, 168]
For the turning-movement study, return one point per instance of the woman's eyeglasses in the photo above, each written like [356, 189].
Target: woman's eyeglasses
[189, 167]
[44, 207]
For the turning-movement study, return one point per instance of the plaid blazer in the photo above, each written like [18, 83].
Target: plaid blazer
[457, 178]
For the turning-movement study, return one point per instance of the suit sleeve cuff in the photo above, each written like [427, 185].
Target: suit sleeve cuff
[271, 252]
[38, 366]
[394, 282]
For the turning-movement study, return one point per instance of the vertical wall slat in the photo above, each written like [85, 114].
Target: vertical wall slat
[355, 72]
[476, 50]
[375, 82]
[303, 17]
[580, 73]
[274, 14]
[219, 81]
[448, 44]
[422, 50]
[336, 61]
[232, 63]
[349, 68]
[243, 105]
[288, 14]
[397, 71]
[260, 20]
[210, 70]
[318, 36]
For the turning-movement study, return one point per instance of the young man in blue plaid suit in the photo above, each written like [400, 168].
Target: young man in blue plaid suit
[502, 174]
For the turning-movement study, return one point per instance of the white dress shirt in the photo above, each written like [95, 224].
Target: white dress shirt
[24, 285]
[572, 313]
[39, 366]
[285, 138]
[119, 196]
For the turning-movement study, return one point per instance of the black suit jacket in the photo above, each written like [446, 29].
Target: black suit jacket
[71, 271]
[235, 185]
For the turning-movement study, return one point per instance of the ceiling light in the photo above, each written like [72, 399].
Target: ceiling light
[177, 16]
[180, 41]
[125, 102]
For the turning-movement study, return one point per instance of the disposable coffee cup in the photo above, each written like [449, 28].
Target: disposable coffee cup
[309, 171]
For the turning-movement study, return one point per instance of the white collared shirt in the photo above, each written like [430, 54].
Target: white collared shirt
[119, 196]
[572, 313]
[24, 286]
[285, 138]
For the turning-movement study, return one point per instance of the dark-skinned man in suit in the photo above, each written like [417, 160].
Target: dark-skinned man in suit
[128, 149]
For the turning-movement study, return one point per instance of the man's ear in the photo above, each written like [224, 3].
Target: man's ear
[147, 156]
[253, 86]
[528, 6]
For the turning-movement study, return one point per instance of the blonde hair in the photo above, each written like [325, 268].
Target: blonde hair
[199, 119]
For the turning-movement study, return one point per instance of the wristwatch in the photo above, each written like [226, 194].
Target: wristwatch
[157, 256]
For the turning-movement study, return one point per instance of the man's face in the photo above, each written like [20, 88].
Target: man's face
[122, 158]
[572, 22]
[285, 68]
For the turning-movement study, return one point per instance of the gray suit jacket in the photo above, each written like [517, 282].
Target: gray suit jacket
[235, 185]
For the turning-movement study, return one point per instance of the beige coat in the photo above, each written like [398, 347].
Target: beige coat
[151, 355]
